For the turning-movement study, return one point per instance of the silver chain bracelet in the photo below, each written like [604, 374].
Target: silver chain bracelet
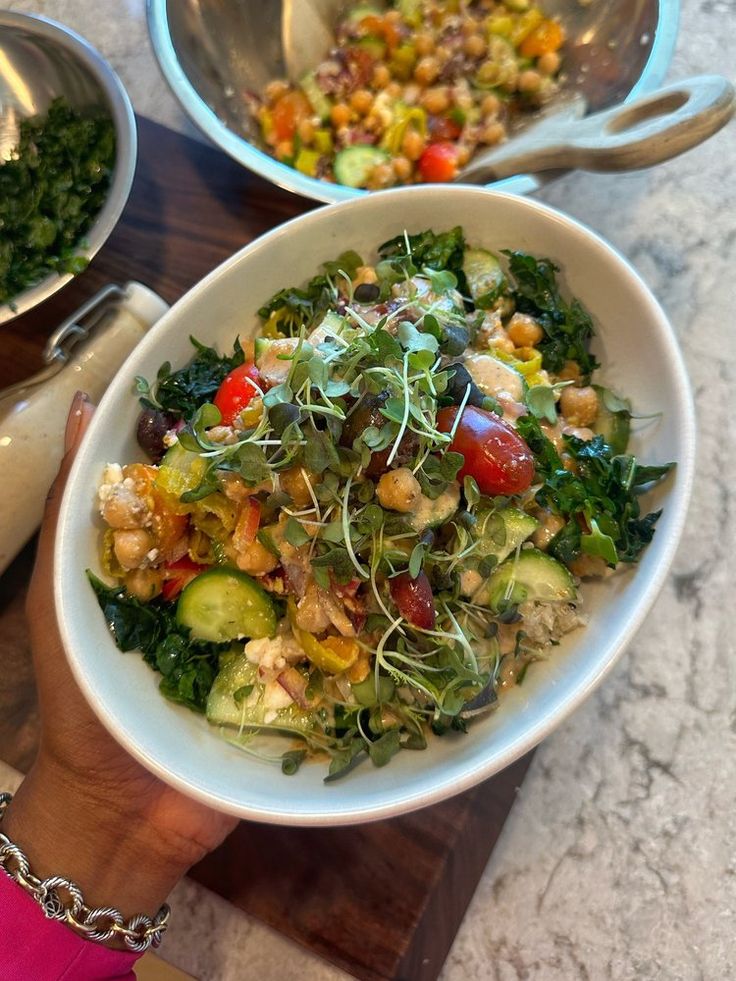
[61, 899]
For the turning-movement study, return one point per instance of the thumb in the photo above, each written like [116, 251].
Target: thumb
[78, 420]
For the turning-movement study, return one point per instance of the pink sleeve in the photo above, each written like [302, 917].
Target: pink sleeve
[31, 946]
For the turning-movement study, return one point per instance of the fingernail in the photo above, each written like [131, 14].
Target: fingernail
[74, 420]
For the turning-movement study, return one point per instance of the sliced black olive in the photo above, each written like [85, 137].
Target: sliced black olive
[367, 293]
[153, 424]
[368, 413]
[281, 415]
[459, 379]
[454, 340]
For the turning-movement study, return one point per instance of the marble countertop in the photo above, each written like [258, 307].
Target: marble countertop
[619, 858]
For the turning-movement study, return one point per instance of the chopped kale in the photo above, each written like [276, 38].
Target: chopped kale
[187, 667]
[598, 498]
[51, 190]
[567, 327]
[182, 392]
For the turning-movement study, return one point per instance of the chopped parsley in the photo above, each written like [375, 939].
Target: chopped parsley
[51, 190]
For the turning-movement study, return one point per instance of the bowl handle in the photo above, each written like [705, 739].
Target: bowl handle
[647, 131]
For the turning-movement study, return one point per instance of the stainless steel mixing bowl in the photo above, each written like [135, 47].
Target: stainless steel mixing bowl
[211, 51]
[40, 60]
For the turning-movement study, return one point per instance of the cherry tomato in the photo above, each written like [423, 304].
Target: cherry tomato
[413, 597]
[438, 162]
[495, 455]
[179, 574]
[288, 112]
[443, 128]
[236, 391]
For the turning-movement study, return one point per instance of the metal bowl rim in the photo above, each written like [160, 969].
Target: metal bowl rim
[126, 148]
[283, 176]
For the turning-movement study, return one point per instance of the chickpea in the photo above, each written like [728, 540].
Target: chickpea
[423, 44]
[502, 343]
[475, 46]
[524, 330]
[361, 101]
[469, 25]
[306, 131]
[579, 406]
[402, 168]
[435, 100]
[392, 90]
[123, 508]
[411, 93]
[295, 482]
[412, 146]
[381, 76]
[427, 70]
[492, 133]
[443, 54]
[529, 81]
[488, 72]
[144, 584]
[550, 525]
[285, 149]
[131, 546]
[588, 566]
[462, 154]
[463, 98]
[399, 490]
[340, 114]
[490, 106]
[275, 89]
[570, 372]
[549, 63]
[257, 560]
[382, 175]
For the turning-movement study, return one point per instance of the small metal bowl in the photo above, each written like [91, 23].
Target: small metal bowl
[39, 61]
[210, 52]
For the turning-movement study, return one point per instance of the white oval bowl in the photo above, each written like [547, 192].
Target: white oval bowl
[641, 359]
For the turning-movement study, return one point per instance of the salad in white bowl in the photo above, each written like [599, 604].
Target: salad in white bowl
[639, 361]
[361, 527]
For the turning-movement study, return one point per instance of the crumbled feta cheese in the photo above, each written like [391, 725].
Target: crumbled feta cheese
[273, 652]
[112, 474]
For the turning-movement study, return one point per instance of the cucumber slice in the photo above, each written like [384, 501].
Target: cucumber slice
[432, 514]
[353, 165]
[177, 458]
[333, 325]
[317, 98]
[225, 604]
[614, 425]
[485, 277]
[248, 709]
[530, 576]
[501, 533]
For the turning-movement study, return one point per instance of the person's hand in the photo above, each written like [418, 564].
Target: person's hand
[87, 810]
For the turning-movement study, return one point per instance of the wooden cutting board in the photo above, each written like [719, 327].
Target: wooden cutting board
[383, 900]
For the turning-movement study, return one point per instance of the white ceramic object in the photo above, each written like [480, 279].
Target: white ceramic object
[641, 359]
